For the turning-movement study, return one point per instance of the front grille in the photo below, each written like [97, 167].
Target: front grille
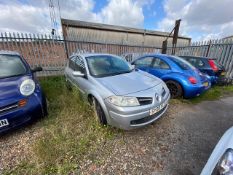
[144, 100]
[148, 118]
[8, 108]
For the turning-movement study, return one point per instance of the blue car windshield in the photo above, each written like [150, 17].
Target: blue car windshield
[107, 65]
[183, 64]
[11, 65]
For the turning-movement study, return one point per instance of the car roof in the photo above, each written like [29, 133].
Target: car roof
[188, 56]
[91, 54]
[8, 52]
[163, 56]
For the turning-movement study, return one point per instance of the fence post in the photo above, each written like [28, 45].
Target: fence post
[208, 49]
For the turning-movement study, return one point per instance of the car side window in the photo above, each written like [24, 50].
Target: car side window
[146, 61]
[200, 63]
[196, 62]
[160, 64]
[79, 64]
[72, 61]
[76, 63]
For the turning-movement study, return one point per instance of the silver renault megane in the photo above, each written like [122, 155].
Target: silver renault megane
[122, 96]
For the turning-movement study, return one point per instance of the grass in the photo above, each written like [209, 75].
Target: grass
[70, 132]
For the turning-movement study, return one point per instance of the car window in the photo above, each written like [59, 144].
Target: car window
[185, 65]
[146, 61]
[11, 65]
[160, 64]
[107, 65]
[72, 62]
[79, 65]
[196, 62]
[76, 63]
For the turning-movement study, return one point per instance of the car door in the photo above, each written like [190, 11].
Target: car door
[143, 63]
[159, 67]
[70, 68]
[77, 64]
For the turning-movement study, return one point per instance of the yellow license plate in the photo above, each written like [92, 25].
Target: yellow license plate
[157, 109]
[206, 84]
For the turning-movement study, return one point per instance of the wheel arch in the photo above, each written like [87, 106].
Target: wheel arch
[93, 94]
[180, 81]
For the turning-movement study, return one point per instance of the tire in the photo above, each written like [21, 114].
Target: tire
[175, 89]
[99, 112]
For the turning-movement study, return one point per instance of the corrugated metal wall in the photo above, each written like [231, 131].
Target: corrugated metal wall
[109, 34]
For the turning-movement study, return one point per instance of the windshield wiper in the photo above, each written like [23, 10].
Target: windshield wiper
[123, 72]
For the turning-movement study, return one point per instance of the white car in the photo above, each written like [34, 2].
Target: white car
[221, 160]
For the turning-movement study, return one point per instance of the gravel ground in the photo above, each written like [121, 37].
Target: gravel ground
[15, 146]
[179, 143]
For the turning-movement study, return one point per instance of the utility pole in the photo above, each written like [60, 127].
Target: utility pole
[174, 41]
[52, 17]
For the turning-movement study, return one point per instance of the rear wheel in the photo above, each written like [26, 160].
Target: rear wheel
[99, 112]
[175, 89]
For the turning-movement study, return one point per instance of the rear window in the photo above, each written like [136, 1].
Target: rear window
[11, 65]
[183, 64]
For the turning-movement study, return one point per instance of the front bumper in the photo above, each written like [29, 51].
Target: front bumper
[134, 117]
[22, 115]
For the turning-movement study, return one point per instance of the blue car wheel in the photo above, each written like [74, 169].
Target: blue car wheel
[174, 88]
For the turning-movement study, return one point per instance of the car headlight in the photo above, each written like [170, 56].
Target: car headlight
[123, 101]
[225, 164]
[27, 87]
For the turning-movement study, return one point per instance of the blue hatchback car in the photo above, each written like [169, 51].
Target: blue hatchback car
[209, 66]
[182, 79]
[21, 97]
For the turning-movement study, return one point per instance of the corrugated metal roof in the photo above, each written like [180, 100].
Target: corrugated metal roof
[99, 26]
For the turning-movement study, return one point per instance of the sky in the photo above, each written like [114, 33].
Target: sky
[201, 19]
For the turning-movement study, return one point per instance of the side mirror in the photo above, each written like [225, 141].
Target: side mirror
[36, 69]
[78, 74]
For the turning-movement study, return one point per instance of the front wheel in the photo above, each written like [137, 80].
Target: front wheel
[174, 88]
[99, 113]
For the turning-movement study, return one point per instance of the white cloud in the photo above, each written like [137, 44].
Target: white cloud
[211, 18]
[23, 18]
[123, 12]
[33, 16]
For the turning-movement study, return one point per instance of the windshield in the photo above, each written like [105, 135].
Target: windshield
[183, 64]
[11, 65]
[107, 65]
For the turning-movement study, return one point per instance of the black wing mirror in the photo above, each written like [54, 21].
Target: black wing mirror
[36, 69]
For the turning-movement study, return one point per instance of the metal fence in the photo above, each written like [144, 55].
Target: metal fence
[38, 50]
[222, 50]
[51, 52]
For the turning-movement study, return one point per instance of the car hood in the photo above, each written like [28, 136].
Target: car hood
[128, 83]
[9, 90]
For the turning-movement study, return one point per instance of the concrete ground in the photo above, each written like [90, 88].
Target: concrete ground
[179, 143]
